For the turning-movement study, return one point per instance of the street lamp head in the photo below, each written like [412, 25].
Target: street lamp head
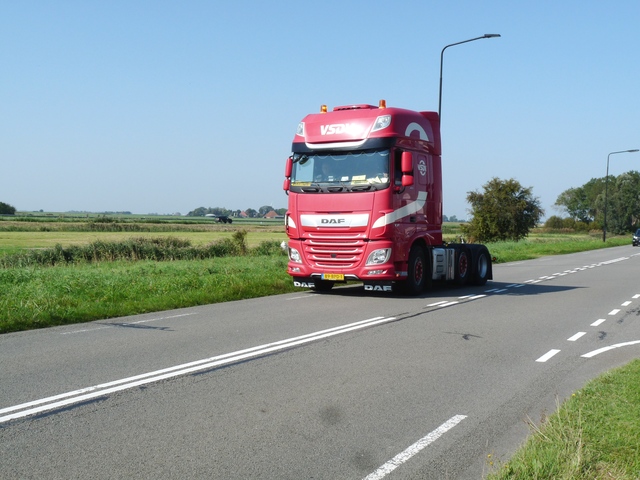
[634, 150]
[491, 35]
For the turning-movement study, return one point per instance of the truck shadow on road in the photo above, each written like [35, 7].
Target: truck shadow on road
[446, 290]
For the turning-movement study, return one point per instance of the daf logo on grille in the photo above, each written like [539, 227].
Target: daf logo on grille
[333, 221]
[336, 220]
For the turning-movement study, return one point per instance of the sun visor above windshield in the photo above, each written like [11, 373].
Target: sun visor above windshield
[352, 127]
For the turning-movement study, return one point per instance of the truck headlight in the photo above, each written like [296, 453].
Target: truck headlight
[294, 255]
[380, 256]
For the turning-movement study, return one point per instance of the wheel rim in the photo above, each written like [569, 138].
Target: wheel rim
[418, 271]
[463, 265]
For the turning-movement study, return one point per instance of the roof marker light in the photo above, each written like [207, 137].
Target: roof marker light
[323, 109]
[382, 104]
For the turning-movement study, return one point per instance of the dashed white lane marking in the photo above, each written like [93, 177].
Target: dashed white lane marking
[402, 457]
[598, 322]
[576, 336]
[437, 304]
[548, 355]
[615, 311]
[606, 349]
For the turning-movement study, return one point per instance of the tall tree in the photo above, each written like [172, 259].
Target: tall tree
[623, 203]
[581, 203]
[264, 210]
[504, 211]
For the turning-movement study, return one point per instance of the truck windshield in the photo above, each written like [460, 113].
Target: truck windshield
[353, 171]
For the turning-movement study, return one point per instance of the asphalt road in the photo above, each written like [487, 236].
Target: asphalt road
[346, 385]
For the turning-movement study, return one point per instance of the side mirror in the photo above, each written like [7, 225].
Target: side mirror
[406, 163]
[287, 184]
[288, 167]
[407, 180]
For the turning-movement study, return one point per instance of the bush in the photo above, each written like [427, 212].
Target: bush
[554, 222]
[566, 225]
[139, 248]
[6, 209]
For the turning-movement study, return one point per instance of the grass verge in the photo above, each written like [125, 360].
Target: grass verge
[36, 297]
[592, 436]
[542, 245]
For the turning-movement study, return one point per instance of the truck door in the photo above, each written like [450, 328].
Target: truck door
[403, 203]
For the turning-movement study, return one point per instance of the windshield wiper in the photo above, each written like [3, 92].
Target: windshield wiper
[360, 188]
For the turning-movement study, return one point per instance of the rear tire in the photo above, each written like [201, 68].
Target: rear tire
[482, 266]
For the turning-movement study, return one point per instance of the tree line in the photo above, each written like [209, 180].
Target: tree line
[506, 210]
[249, 212]
[586, 206]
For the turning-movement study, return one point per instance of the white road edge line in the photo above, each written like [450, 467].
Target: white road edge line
[606, 349]
[402, 457]
[95, 391]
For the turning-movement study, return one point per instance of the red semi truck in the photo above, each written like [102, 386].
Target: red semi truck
[365, 203]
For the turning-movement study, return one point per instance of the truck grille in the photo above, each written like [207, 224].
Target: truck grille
[334, 251]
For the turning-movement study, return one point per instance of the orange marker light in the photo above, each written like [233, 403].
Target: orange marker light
[323, 109]
[382, 104]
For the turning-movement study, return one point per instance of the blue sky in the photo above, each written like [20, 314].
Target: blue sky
[166, 106]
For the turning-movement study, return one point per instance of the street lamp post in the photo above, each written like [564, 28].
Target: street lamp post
[486, 35]
[606, 191]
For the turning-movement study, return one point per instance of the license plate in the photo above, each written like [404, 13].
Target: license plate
[333, 276]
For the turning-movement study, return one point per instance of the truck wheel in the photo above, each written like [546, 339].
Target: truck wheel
[322, 285]
[481, 268]
[463, 267]
[417, 271]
